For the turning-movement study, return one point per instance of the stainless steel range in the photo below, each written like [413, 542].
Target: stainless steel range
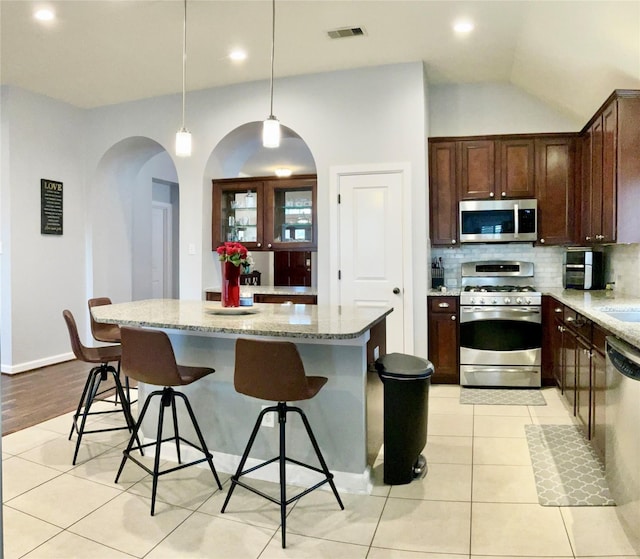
[500, 325]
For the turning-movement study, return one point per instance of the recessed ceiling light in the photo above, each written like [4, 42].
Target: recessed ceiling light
[463, 26]
[238, 55]
[44, 14]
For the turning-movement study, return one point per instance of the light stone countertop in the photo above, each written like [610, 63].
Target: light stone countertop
[270, 290]
[592, 304]
[267, 319]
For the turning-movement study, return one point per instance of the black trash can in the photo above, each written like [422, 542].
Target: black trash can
[406, 381]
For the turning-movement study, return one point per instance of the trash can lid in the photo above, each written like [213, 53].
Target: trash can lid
[404, 367]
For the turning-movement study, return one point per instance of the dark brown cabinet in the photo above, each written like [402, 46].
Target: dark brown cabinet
[503, 167]
[292, 268]
[555, 189]
[610, 143]
[516, 168]
[443, 339]
[573, 351]
[476, 169]
[552, 356]
[265, 213]
[443, 194]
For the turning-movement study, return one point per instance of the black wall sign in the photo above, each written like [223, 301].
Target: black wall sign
[50, 207]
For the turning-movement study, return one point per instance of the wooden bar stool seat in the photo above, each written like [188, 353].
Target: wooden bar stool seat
[109, 333]
[271, 370]
[148, 357]
[101, 357]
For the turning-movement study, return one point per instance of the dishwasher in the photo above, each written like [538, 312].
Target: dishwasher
[622, 452]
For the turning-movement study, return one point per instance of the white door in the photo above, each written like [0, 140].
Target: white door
[161, 240]
[371, 247]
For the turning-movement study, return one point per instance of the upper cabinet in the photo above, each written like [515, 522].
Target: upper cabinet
[555, 189]
[609, 145]
[265, 213]
[503, 167]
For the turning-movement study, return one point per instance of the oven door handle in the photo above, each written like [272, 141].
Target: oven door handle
[501, 370]
[517, 310]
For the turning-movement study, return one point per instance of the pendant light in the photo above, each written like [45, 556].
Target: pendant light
[183, 136]
[271, 126]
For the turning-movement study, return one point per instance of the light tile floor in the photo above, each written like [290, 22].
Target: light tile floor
[477, 500]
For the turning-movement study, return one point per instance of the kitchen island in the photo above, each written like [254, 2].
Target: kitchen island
[333, 341]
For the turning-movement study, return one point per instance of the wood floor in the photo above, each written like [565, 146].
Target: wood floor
[34, 396]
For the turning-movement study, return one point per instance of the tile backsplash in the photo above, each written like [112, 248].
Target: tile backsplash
[622, 263]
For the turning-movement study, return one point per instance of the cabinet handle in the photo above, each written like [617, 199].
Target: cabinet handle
[259, 245]
[587, 238]
[541, 241]
[599, 237]
[504, 194]
[561, 328]
[269, 245]
[491, 195]
[453, 241]
[557, 309]
[443, 305]
[570, 319]
[453, 317]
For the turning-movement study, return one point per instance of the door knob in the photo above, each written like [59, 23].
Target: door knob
[396, 290]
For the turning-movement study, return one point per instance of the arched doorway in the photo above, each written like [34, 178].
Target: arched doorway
[240, 154]
[134, 223]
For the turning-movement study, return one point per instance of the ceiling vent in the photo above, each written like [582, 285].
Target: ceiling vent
[345, 32]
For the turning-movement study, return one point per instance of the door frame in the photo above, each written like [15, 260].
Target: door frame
[335, 174]
[167, 225]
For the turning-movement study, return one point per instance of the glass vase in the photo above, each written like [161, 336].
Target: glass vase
[230, 285]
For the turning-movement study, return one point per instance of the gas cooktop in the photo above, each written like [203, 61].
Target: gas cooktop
[500, 289]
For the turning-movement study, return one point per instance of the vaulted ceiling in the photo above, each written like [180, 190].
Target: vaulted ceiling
[570, 54]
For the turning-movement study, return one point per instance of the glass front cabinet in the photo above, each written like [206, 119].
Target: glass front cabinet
[265, 213]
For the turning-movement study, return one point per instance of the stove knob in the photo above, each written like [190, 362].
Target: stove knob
[481, 301]
[507, 301]
[528, 300]
[472, 301]
[494, 301]
[518, 300]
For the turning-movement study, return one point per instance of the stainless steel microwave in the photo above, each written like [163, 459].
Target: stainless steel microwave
[498, 221]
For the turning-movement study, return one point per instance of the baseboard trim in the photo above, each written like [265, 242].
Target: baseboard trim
[30, 365]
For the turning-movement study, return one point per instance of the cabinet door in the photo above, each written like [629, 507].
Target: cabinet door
[443, 339]
[551, 342]
[516, 164]
[598, 403]
[555, 190]
[609, 165]
[476, 169]
[292, 268]
[583, 385]
[596, 167]
[237, 213]
[585, 186]
[443, 194]
[569, 358]
[290, 214]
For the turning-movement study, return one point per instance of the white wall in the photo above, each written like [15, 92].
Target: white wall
[41, 274]
[491, 108]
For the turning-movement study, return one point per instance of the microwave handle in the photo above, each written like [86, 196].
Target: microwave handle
[516, 221]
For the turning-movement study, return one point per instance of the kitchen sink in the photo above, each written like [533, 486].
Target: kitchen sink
[630, 315]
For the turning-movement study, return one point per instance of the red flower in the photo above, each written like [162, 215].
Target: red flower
[232, 252]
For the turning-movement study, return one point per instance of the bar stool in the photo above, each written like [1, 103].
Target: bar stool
[109, 333]
[270, 370]
[101, 357]
[147, 356]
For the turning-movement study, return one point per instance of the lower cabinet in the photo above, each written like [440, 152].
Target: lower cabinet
[573, 351]
[443, 339]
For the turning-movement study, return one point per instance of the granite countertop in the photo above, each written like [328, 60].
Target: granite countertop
[590, 304]
[268, 319]
[270, 290]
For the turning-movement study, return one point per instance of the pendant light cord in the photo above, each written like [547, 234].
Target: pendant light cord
[184, 61]
[273, 49]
